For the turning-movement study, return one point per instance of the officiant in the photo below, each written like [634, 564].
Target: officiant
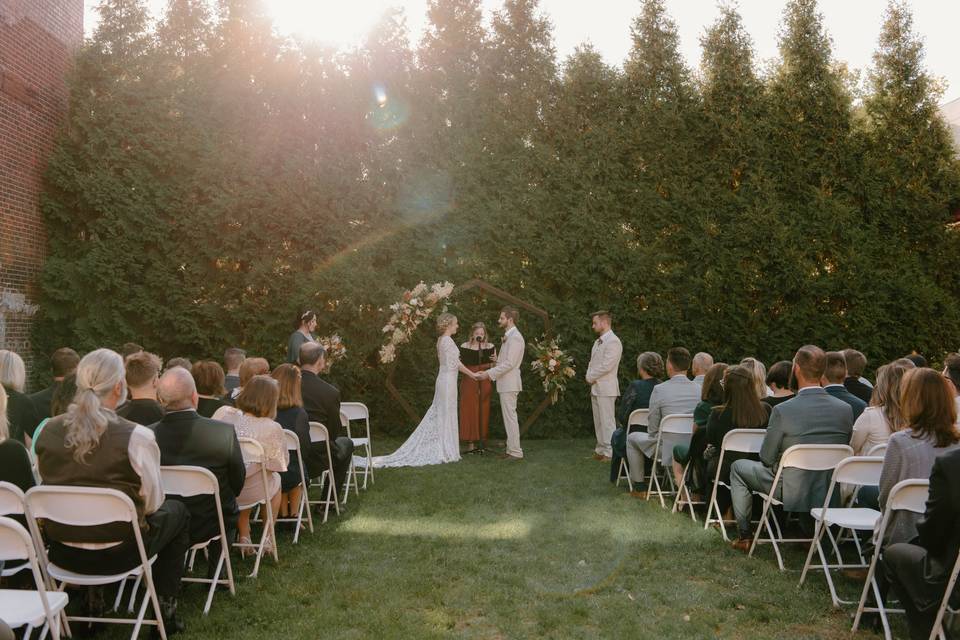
[477, 354]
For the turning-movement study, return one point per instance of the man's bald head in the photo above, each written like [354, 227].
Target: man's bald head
[177, 390]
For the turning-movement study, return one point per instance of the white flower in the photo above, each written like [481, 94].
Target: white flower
[553, 364]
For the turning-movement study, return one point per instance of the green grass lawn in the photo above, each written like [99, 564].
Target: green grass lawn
[495, 549]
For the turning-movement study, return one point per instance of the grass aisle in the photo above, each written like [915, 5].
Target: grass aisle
[493, 549]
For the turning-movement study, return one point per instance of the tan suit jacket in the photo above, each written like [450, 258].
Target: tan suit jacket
[604, 365]
[507, 371]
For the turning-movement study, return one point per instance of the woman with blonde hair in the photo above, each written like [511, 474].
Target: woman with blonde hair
[435, 440]
[14, 459]
[21, 412]
[759, 376]
[478, 354]
[884, 416]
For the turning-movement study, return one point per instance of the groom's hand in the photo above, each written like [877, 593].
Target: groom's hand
[483, 376]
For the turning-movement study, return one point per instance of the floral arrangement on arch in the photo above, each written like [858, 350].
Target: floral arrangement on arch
[415, 306]
[335, 349]
[554, 366]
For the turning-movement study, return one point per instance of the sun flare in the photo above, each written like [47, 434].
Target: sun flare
[334, 22]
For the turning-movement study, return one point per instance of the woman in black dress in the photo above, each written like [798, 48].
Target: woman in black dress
[292, 417]
[477, 354]
[209, 377]
[21, 412]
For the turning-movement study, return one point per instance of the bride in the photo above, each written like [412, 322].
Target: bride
[436, 439]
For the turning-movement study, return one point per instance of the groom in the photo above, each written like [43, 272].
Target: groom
[506, 374]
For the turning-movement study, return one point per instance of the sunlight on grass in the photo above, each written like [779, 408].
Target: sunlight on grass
[509, 529]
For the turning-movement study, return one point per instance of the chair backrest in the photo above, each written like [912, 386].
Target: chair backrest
[15, 542]
[81, 506]
[638, 417]
[744, 440]
[909, 495]
[678, 423]
[815, 457]
[863, 471]
[355, 410]
[11, 499]
[878, 450]
[252, 450]
[291, 440]
[186, 481]
[318, 432]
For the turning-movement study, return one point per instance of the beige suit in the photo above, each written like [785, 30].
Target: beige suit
[604, 388]
[507, 376]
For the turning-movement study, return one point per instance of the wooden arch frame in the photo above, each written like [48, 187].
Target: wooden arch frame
[507, 298]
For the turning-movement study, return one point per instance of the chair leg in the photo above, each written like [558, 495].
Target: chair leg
[816, 540]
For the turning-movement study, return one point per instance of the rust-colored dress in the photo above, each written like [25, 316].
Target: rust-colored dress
[474, 415]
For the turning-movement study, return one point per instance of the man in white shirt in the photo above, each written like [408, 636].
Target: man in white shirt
[506, 374]
[701, 364]
[604, 384]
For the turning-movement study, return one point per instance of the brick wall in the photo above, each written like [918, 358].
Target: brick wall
[37, 39]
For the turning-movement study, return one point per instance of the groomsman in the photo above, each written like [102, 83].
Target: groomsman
[604, 385]
[506, 374]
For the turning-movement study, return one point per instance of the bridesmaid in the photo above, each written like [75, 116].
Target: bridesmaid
[477, 354]
[305, 325]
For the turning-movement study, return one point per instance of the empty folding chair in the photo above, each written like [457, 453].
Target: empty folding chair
[638, 417]
[293, 446]
[352, 470]
[735, 441]
[93, 507]
[319, 433]
[22, 607]
[356, 411]
[253, 454]
[186, 482]
[906, 495]
[675, 428]
[859, 471]
[804, 457]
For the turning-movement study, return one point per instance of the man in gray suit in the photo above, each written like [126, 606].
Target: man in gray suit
[812, 417]
[679, 394]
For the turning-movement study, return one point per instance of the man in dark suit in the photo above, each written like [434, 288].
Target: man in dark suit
[321, 401]
[855, 383]
[812, 417]
[186, 438]
[833, 382]
[919, 570]
[63, 362]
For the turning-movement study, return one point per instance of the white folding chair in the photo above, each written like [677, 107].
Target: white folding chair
[293, 446]
[186, 481]
[12, 503]
[319, 433]
[735, 441]
[937, 630]
[355, 411]
[253, 454]
[21, 607]
[906, 495]
[91, 507]
[803, 457]
[858, 471]
[878, 450]
[638, 417]
[677, 427]
[352, 471]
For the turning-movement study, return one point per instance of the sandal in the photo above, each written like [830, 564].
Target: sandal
[245, 550]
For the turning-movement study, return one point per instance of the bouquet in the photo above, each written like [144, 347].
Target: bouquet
[335, 349]
[554, 366]
[414, 307]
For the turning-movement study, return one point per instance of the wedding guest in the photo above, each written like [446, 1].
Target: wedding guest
[250, 367]
[187, 438]
[208, 376]
[92, 446]
[833, 377]
[711, 395]
[292, 417]
[883, 417]
[926, 400]
[179, 362]
[63, 362]
[918, 360]
[779, 383]
[637, 396]
[951, 371]
[759, 376]
[855, 383]
[143, 372]
[62, 399]
[15, 466]
[700, 365]
[232, 359]
[321, 400]
[129, 348]
[603, 377]
[21, 412]
[477, 354]
[305, 325]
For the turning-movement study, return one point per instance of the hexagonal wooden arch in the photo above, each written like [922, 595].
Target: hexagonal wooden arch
[507, 298]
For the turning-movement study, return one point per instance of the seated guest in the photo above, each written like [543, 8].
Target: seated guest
[951, 371]
[700, 365]
[292, 416]
[179, 362]
[321, 400]
[128, 349]
[15, 466]
[92, 446]
[779, 383]
[257, 404]
[855, 383]
[143, 371]
[741, 409]
[62, 399]
[883, 417]
[21, 412]
[250, 367]
[833, 377]
[208, 376]
[759, 376]
[710, 396]
[186, 438]
[63, 362]
[637, 396]
[232, 359]
[926, 400]
[304, 327]
[919, 570]
[813, 417]
[918, 360]
[678, 394]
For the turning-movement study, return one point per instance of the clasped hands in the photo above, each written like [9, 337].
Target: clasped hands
[480, 375]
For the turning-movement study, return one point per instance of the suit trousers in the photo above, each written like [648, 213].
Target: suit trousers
[511, 424]
[604, 422]
[919, 581]
[747, 476]
[635, 457]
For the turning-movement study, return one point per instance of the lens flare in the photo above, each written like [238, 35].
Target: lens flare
[387, 111]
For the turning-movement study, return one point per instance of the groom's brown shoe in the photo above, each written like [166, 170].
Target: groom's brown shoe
[597, 456]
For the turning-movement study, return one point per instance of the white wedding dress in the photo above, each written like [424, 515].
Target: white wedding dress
[437, 439]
